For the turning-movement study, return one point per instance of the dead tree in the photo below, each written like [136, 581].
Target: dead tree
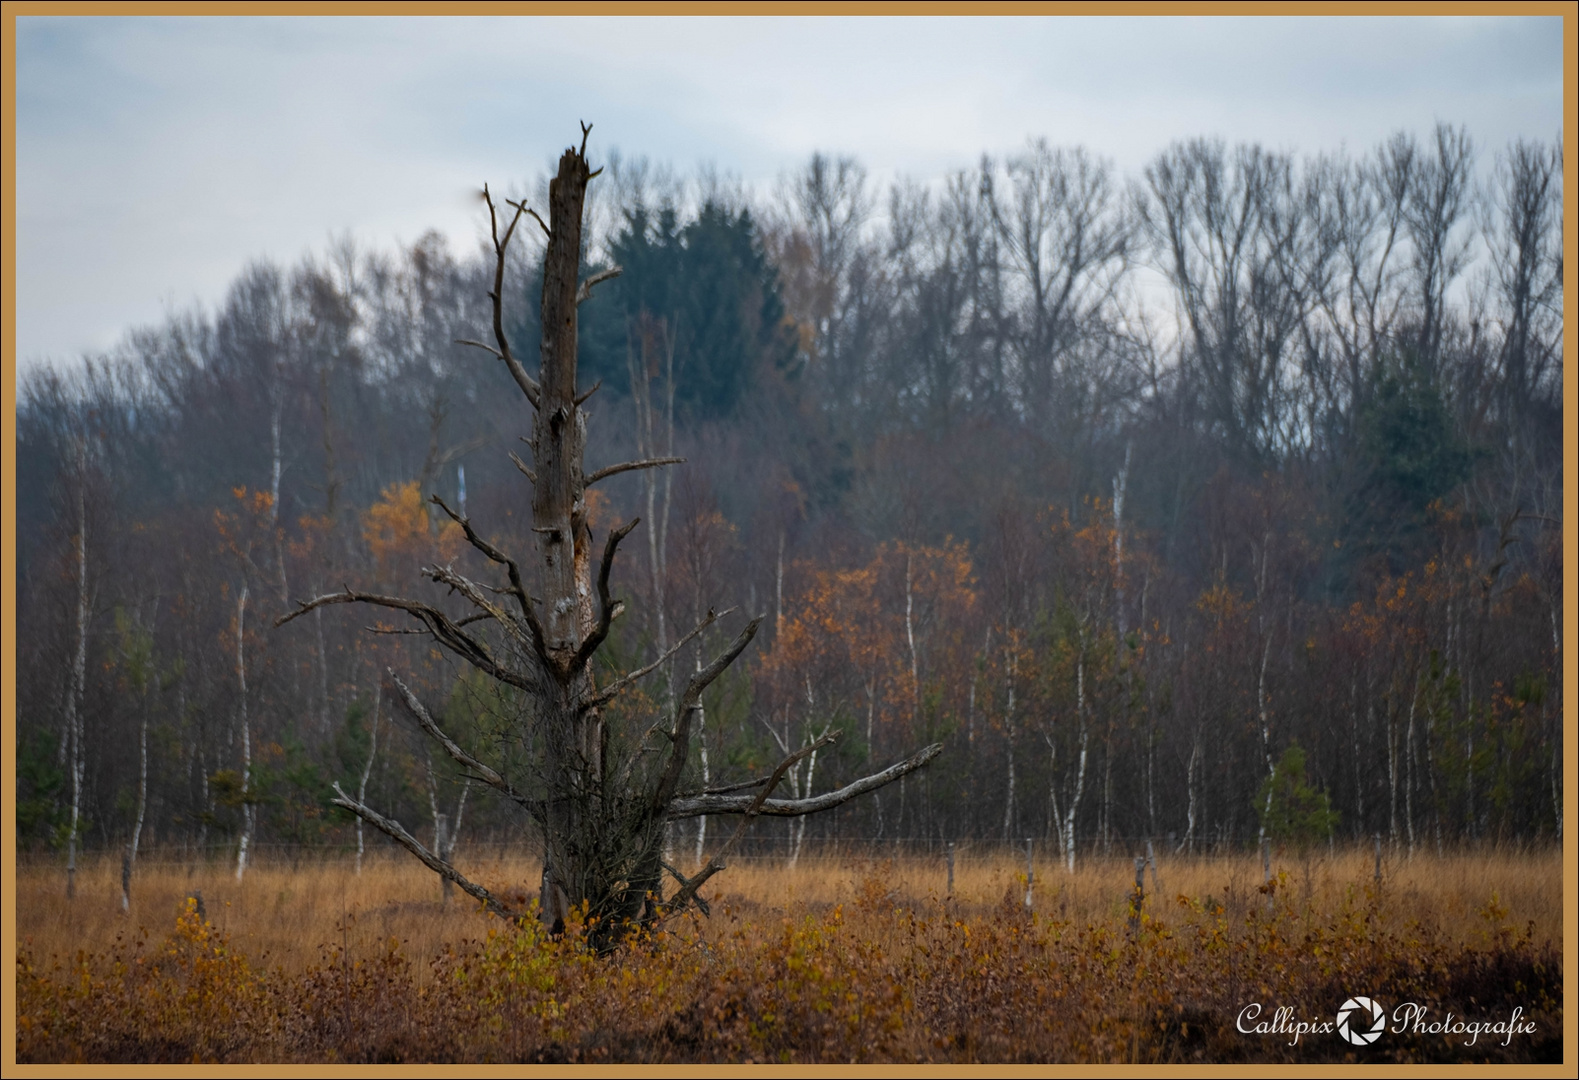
[603, 790]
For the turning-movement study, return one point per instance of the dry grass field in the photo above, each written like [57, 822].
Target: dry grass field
[847, 957]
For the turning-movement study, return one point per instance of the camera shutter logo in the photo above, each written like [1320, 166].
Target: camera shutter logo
[1361, 1021]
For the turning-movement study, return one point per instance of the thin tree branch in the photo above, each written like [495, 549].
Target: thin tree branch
[519, 464]
[445, 629]
[397, 833]
[618, 686]
[446, 575]
[680, 749]
[529, 212]
[610, 608]
[481, 616]
[627, 466]
[744, 785]
[697, 805]
[483, 772]
[527, 384]
[517, 587]
[480, 345]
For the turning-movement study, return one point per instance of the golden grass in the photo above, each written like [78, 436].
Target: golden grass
[842, 957]
[283, 916]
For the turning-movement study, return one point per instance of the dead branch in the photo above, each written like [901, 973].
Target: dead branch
[517, 587]
[527, 384]
[446, 575]
[521, 207]
[744, 785]
[584, 293]
[610, 608]
[697, 805]
[482, 772]
[440, 625]
[397, 833]
[519, 464]
[716, 862]
[624, 682]
[481, 616]
[627, 466]
[686, 707]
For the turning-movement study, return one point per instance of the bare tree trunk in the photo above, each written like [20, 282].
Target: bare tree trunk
[278, 468]
[142, 809]
[79, 678]
[1080, 771]
[1413, 764]
[246, 736]
[1008, 731]
[367, 770]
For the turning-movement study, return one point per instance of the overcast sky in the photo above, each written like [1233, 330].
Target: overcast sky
[156, 156]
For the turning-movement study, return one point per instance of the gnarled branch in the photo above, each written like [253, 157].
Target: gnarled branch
[393, 829]
[517, 587]
[697, 805]
[584, 293]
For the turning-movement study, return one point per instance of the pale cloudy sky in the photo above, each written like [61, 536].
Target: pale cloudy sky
[156, 156]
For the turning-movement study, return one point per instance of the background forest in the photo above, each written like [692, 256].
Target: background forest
[1219, 499]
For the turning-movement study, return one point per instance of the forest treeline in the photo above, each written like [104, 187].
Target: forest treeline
[1220, 499]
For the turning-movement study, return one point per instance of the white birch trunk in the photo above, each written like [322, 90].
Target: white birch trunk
[79, 679]
[246, 736]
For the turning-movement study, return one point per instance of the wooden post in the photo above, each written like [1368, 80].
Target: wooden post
[951, 869]
[1029, 873]
[1378, 860]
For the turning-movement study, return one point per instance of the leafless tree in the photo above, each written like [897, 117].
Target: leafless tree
[606, 788]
